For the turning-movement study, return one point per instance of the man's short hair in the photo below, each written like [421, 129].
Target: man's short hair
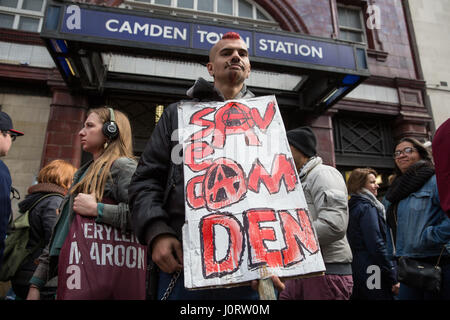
[227, 36]
[231, 35]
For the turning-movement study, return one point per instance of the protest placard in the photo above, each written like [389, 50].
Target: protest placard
[246, 215]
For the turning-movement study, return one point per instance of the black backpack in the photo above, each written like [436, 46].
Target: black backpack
[16, 243]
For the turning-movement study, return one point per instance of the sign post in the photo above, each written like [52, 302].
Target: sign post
[266, 290]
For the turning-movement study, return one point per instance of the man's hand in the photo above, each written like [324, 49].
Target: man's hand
[396, 288]
[167, 253]
[85, 205]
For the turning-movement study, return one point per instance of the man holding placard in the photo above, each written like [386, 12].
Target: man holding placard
[240, 206]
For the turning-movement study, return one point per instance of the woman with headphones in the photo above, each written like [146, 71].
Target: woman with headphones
[92, 250]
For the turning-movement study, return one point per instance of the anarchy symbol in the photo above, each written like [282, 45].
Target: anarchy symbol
[236, 115]
[224, 184]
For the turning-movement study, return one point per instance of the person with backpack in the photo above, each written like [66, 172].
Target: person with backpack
[41, 202]
[7, 136]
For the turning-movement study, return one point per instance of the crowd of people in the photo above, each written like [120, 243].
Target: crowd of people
[141, 206]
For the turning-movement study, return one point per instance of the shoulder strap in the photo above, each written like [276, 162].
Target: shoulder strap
[392, 216]
[37, 245]
[42, 198]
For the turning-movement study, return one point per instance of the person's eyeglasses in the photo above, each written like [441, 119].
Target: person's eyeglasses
[13, 136]
[407, 150]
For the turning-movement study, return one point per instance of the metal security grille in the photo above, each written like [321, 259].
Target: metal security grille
[363, 142]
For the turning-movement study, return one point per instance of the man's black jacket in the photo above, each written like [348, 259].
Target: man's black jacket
[156, 191]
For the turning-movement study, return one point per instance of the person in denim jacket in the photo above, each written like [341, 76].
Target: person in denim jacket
[418, 225]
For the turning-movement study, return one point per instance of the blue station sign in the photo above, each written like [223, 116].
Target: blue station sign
[153, 31]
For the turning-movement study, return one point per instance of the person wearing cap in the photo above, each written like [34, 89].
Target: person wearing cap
[7, 136]
[326, 195]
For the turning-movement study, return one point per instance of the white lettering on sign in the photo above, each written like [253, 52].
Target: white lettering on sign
[97, 231]
[74, 20]
[119, 256]
[290, 48]
[107, 254]
[74, 255]
[213, 37]
[149, 30]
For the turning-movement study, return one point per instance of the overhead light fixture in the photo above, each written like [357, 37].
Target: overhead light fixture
[68, 66]
[328, 96]
[59, 46]
[347, 82]
[72, 71]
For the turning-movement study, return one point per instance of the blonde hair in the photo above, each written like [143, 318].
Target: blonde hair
[95, 178]
[58, 172]
[358, 179]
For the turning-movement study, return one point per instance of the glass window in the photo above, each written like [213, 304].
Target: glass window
[245, 9]
[35, 5]
[9, 3]
[342, 14]
[260, 15]
[350, 24]
[23, 15]
[186, 4]
[351, 36]
[225, 7]
[163, 2]
[205, 5]
[6, 20]
[349, 18]
[28, 24]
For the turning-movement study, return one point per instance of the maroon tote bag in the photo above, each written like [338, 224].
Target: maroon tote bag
[99, 262]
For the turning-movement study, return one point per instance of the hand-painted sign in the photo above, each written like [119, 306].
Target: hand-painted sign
[149, 30]
[246, 215]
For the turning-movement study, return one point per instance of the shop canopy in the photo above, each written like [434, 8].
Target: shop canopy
[99, 48]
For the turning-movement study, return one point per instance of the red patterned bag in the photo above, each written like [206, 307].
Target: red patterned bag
[99, 262]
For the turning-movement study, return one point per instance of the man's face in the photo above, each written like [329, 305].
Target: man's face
[299, 158]
[5, 143]
[229, 62]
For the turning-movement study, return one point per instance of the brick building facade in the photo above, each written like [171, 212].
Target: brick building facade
[357, 131]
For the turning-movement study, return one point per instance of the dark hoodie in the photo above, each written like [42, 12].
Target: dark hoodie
[156, 191]
[5, 204]
[441, 156]
[42, 219]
